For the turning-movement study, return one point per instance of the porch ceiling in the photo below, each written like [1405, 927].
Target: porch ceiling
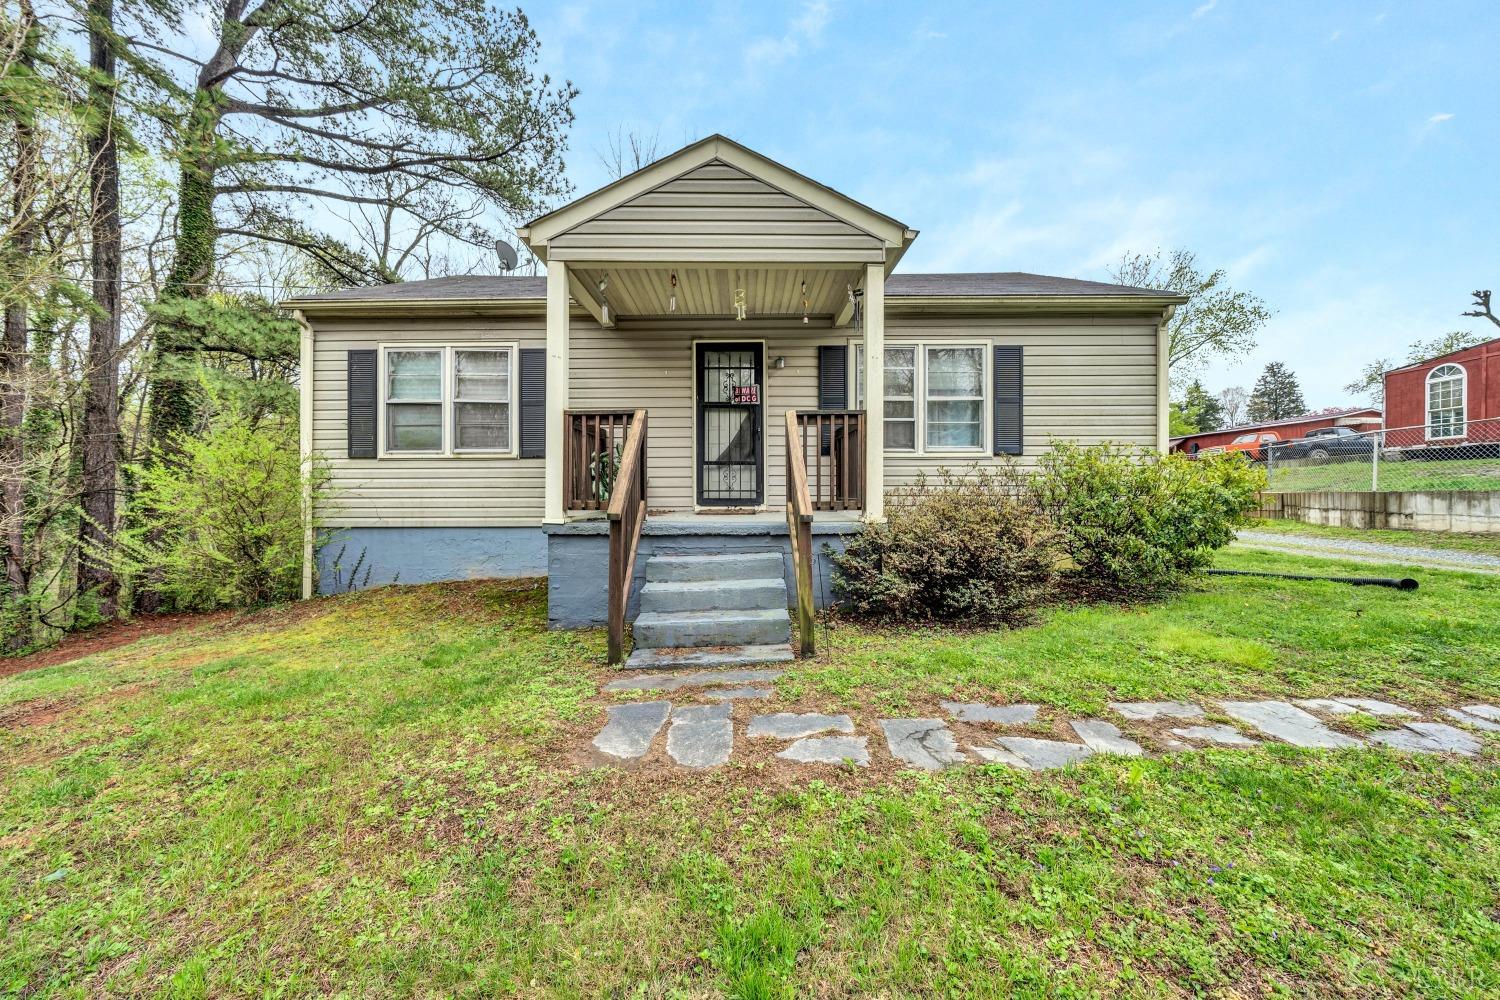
[770, 292]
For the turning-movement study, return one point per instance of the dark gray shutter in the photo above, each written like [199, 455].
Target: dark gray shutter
[833, 377]
[1009, 395]
[533, 419]
[361, 403]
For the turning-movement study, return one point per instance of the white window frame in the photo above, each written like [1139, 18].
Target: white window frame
[448, 355]
[1463, 401]
[986, 385]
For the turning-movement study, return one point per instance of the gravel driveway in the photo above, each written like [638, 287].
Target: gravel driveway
[1370, 552]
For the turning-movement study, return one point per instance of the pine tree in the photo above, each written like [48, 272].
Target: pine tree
[1197, 400]
[1276, 396]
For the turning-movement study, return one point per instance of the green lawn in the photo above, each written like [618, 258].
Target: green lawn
[385, 794]
[1354, 474]
[1457, 541]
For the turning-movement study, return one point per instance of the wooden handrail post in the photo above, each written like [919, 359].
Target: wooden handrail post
[627, 515]
[799, 515]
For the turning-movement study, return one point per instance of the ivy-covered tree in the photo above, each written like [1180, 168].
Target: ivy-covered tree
[324, 102]
[1276, 396]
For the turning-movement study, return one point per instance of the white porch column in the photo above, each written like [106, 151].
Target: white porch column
[557, 387]
[874, 323]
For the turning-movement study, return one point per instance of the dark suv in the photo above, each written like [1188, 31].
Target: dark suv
[1326, 442]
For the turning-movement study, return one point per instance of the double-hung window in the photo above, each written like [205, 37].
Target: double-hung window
[449, 400]
[935, 396]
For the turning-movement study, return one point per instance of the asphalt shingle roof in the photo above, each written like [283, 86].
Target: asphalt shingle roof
[998, 284]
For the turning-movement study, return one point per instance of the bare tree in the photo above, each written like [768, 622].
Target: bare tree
[1482, 301]
[627, 152]
[1232, 401]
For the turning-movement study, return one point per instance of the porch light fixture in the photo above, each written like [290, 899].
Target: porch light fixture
[739, 303]
[604, 299]
[779, 361]
[804, 310]
[672, 299]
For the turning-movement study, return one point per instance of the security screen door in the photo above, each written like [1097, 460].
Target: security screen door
[731, 420]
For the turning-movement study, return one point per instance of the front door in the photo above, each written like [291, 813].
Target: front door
[731, 422]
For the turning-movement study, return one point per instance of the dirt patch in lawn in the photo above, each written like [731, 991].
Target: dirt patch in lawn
[36, 712]
[107, 637]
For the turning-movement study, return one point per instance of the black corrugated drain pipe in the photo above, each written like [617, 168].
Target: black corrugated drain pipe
[1404, 583]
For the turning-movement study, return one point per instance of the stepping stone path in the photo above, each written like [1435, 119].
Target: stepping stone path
[791, 726]
[924, 743]
[1472, 721]
[1005, 715]
[631, 728]
[701, 735]
[1034, 755]
[1287, 722]
[1218, 733]
[829, 750]
[1105, 737]
[1145, 711]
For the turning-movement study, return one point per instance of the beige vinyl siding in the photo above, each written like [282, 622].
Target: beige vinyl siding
[427, 491]
[1086, 379]
[716, 211]
[652, 367]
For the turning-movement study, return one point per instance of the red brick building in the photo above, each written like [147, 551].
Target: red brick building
[1436, 402]
[1365, 418]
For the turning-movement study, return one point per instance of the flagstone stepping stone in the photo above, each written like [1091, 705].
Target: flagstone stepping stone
[1217, 733]
[745, 692]
[1484, 712]
[1034, 755]
[672, 682]
[1472, 721]
[924, 743]
[1287, 722]
[1328, 706]
[1104, 737]
[701, 735]
[791, 725]
[1383, 709]
[631, 728]
[1446, 737]
[1005, 715]
[829, 750]
[1405, 739]
[1145, 711]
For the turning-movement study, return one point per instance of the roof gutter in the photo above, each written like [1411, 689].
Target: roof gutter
[365, 307]
[989, 304]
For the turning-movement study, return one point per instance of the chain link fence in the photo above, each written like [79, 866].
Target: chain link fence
[1461, 455]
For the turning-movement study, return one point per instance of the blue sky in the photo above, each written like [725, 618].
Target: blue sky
[1339, 159]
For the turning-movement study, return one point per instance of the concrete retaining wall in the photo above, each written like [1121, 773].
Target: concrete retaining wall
[1417, 510]
[578, 560]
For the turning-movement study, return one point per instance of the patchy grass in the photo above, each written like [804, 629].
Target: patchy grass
[1353, 473]
[384, 795]
[1458, 541]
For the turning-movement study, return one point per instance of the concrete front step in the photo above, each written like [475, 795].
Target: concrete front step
[659, 629]
[710, 568]
[679, 657]
[714, 595]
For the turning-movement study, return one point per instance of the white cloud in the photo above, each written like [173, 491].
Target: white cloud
[804, 30]
[1205, 8]
[1440, 117]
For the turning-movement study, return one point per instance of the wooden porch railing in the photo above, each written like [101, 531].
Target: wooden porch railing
[832, 444]
[593, 453]
[627, 514]
[799, 515]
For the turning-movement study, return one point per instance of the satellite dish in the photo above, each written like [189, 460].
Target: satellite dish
[507, 254]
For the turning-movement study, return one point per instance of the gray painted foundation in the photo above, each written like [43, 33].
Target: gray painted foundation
[1419, 510]
[578, 558]
[427, 555]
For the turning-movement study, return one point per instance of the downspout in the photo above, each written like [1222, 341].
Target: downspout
[1163, 381]
[305, 443]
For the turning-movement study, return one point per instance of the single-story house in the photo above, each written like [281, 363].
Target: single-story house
[673, 421]
[1361, 418]
[1447, 402]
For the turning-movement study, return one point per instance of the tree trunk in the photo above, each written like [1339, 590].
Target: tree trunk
[13, 347]
[101, 407]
